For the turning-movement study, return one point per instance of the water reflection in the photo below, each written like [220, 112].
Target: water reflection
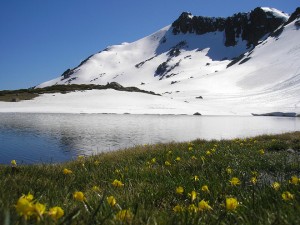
[31, 138]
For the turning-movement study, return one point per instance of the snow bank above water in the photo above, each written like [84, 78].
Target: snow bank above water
[112, 101]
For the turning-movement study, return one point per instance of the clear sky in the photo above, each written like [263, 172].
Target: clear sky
[40, 39]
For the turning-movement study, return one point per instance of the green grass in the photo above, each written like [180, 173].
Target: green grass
[149, 190]
[8, 97]
[31, 93]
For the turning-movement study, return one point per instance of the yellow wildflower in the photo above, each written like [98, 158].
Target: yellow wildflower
[195, 178]
[67, 171]
[294, 180]
[167, 163]
[179, 190]
[229, 170]
[235, 181]
[190, 148]
[39, 209]
[193, 195]
[170, 152]
[24, 207]
[204, 188]
[79, 196]
[56, 212]
[117, 171]
[111, 201]
[286, 196]
[193, 157]
[275, 186]
[13, 162]
[231, 204]
[178, 209]
[29, 197]
[253, 180]
[117, 183]
[192, 208]
[178, 159]
[96, 188]
[124, 215]
[153, 160]
[203, 205]
[208, 152]
[27, 208]
[261, 151]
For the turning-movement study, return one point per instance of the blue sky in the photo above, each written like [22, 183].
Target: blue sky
[40, 39]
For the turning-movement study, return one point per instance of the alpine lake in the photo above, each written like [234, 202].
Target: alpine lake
[53, 138]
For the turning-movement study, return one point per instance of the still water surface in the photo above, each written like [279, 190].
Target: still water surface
[46, 138]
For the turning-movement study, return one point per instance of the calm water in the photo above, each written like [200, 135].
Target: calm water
[45, 138]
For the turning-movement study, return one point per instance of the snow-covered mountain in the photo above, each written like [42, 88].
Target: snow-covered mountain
[249, 62]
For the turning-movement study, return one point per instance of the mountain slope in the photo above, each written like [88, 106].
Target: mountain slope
[241, 64]
[184, 46]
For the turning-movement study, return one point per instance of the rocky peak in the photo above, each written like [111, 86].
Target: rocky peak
[294, 15]
[186, 23]
[250, 26]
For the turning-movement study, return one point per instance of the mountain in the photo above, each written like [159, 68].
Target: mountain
[245, 63]
[180, 48]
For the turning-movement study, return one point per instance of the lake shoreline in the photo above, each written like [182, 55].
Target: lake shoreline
[56, 137]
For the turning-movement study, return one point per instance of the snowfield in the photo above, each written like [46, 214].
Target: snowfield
[182, 68]
[112, 101]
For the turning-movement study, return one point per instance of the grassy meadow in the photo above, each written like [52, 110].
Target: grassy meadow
[240, 181]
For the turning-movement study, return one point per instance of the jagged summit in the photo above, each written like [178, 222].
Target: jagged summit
[250, 26]
[295, 15]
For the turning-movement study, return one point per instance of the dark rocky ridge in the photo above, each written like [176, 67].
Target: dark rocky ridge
[67, 74]
[294, 15]
[249, 26]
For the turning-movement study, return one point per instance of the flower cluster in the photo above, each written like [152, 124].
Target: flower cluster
[29, 208]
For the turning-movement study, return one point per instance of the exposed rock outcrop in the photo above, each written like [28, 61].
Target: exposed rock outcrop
[294, 15]
[281, 114]
[250, 26]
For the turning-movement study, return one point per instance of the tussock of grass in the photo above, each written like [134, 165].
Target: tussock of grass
[149, 191]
